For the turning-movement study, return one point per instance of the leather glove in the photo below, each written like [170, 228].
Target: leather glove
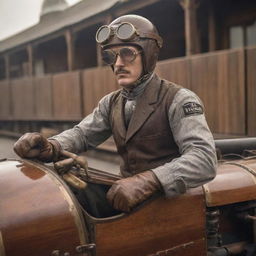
[73, 160]
[64, 166]
[127, 193]
[35, 145]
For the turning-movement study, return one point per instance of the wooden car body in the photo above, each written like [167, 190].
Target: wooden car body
[40, 216]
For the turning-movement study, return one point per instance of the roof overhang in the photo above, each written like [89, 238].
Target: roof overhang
[57, 21]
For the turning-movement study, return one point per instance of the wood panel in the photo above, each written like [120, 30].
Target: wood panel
[175, 70]
[5, 100]
[43, 97]
[96, 83]
[23, 95]
[251, 90]
[218, 79]
[173, 226]
[67, 96]
[39, 215]
[227, 187]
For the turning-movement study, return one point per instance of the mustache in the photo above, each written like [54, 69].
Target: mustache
[121, 71]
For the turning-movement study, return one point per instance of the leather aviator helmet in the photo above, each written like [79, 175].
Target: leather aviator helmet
[136, 31]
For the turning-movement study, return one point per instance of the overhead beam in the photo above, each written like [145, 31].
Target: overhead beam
[131, 6]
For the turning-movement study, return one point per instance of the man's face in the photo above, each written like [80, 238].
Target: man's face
[127, 72]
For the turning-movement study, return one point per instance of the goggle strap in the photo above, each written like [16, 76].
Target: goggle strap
[152, 36]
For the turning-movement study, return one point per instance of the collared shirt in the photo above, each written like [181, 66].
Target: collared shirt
[195, 166]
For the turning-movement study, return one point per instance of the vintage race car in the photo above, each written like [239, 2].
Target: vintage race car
[40, 216]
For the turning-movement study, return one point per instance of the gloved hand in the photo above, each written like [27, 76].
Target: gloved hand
[64, 166]
[35, 145]
[127, 193]
[73, 160]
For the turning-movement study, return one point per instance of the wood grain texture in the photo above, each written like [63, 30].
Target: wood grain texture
[67, 96]
[251, 90]
[96, 83]
[232, 184]
[5, 100]
[218, 79]
[175, 70]
[160, 225]
[37, 213]
[23, 99]
[43, 98]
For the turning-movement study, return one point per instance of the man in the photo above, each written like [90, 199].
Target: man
[159, 127]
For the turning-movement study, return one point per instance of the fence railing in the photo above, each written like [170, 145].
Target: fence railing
[224, 80]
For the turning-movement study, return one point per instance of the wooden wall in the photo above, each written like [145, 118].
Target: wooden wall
[224, 80]
[5, 100]
[175, 70]
[23, 99]
[67, 99]
[219, 80]
[251, 90]
[96, 82]
[43, 97]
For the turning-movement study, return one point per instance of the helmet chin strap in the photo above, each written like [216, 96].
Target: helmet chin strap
[137, 88]
[145, 74]
[141, 80]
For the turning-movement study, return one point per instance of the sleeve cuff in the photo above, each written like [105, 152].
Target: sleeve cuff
[172, 186]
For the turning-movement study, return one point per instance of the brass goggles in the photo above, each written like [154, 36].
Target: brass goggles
[126, 54]
[125, 32]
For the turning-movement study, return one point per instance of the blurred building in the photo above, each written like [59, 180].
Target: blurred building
[52, 73]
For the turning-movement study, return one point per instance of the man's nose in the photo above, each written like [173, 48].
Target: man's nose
[119, 62]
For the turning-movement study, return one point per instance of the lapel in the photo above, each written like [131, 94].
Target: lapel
[119, 113]
[145, 106]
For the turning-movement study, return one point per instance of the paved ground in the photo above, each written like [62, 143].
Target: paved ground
[6, 151]
[6, 146]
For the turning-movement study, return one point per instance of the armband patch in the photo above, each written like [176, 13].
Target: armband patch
[192, 108]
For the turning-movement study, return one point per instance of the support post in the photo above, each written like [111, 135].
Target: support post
[7, 66]
[191, 29]
[212, 28]
[30, 60]
[99, 59]
[70, 49]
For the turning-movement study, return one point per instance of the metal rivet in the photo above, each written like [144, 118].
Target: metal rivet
[56, 253]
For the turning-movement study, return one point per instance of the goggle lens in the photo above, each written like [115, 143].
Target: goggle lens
[103, 34]
[126, 54]
[125, 31]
